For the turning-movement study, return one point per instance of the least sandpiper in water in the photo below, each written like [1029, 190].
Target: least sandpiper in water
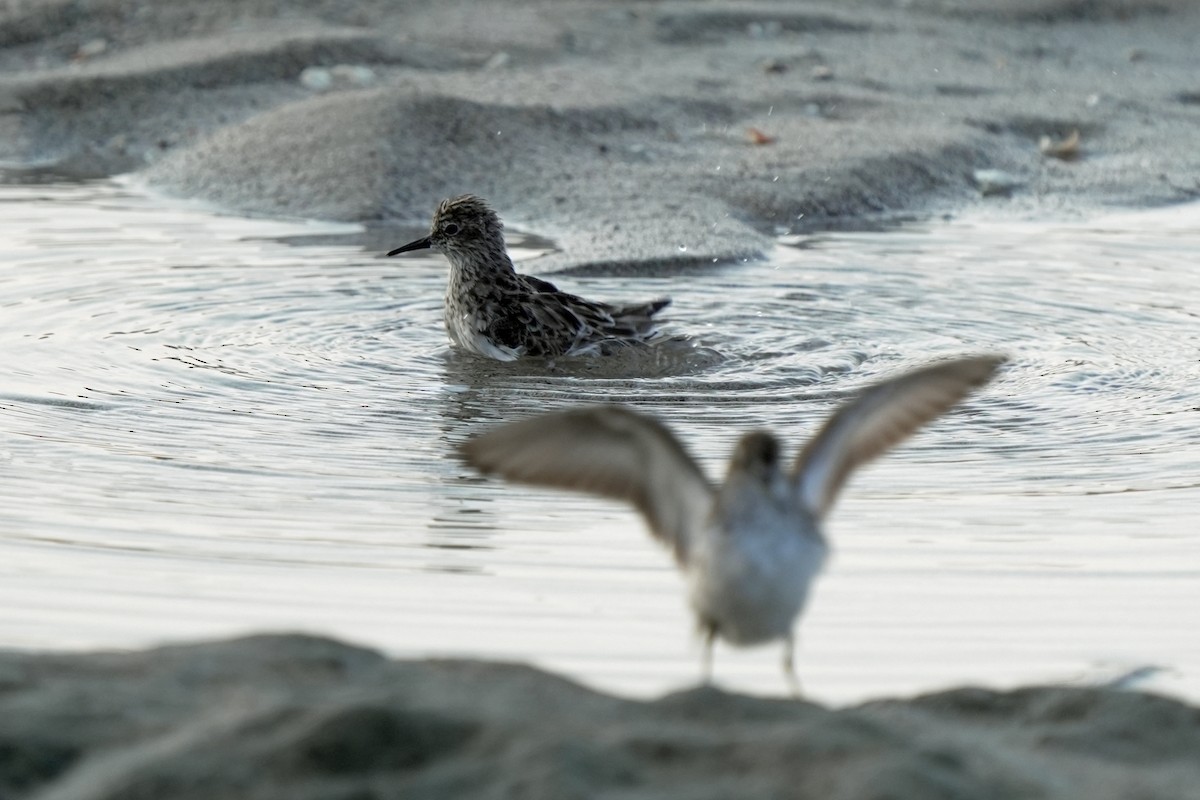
[751, 547]
[494, 311]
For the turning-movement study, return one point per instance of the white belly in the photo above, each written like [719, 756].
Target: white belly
[753, 584]
[464, 332]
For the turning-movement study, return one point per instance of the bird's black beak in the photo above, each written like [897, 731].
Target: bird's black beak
[419, 244]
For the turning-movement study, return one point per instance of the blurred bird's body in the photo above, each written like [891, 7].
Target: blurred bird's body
[750, 568]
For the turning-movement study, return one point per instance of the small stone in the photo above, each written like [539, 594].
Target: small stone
[993, 182]
[764, 30]
[91, 49]
[317, 79]
[343, 76]
[352, 75]
[497, 61]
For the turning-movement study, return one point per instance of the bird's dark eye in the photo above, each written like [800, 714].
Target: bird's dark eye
[450, 229]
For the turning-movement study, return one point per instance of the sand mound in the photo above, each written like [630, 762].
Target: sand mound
[299, 717]
[666, 134]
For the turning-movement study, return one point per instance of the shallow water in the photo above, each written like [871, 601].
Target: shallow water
[213, 425]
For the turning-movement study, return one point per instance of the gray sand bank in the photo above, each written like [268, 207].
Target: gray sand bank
[297, 717]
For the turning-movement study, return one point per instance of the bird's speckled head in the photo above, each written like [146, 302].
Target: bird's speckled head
[464, 228]
[464, 221]
[757, 454]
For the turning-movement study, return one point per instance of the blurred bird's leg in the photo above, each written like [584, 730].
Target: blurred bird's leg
[706, 658]
[789, 666]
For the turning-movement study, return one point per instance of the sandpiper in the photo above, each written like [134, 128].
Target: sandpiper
[494, 311]
[750, 548]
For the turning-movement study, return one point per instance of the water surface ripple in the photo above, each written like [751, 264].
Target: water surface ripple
[213, 425]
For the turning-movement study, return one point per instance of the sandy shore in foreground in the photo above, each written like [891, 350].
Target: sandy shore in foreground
[298, 717]
[637, 136]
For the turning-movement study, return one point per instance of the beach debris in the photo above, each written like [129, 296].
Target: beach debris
[1065, 149]
[1135, 678]
[758, 137]
[995, 182]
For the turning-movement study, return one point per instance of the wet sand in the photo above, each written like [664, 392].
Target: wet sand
[638, 136]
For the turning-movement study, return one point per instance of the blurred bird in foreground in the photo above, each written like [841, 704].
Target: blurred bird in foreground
[750, 547]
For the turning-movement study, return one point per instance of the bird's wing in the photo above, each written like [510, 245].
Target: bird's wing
[883, 416]
[561, 312]
[536, 323]
[537, 284]
[606, 450]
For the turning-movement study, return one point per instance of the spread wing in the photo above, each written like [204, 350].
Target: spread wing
[882, 417]
[606, 450]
